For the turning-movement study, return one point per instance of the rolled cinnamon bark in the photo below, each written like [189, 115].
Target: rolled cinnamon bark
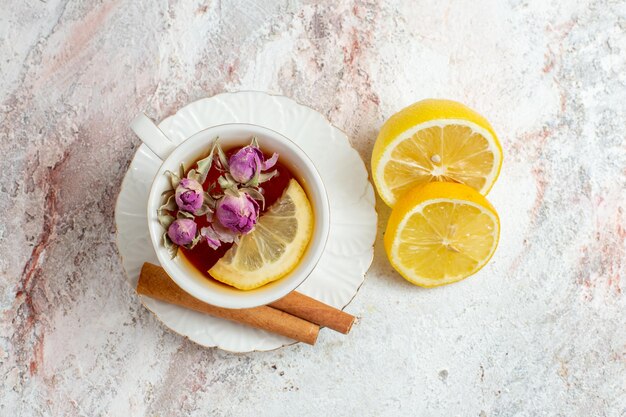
[155, 283]
[310, 309]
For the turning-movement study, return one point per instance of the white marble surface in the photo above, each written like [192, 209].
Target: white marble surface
[541, 331]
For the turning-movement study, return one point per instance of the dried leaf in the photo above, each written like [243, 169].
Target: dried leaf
[165, 220]
[204, 209]
[174, 179]
[204, 165]
[170, 246]
[184, 215]
[208, 199]
[231, 192]
[254, 193]
[254, 142]
[169, 205]
[225, 183]
[194, 242]
[265, 176]
[181, 170]
[222, 156]
[193, 175]
[167, 242]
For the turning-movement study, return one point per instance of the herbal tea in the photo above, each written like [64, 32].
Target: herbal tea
[238, 216]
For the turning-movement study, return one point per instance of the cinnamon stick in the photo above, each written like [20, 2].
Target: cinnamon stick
[154, 282]
[310, 309]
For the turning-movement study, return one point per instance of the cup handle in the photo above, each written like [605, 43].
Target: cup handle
[152, 136]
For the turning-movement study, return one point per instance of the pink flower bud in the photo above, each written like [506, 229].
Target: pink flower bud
[238, 214]
[245, 163]
[189, 195]
[182, 231]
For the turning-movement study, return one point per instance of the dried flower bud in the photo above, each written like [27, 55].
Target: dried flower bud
[189, 195]
[245, 164]
[182, 231]
[239, 214]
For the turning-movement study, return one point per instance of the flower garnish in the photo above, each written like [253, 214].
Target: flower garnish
[231, 206]
[238, 213]
[182, 231]
[245, 163]
[189, 195]
[249, 162]
[247, 168]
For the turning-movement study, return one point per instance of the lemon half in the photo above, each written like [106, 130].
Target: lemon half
[440, 233]
[435, 140]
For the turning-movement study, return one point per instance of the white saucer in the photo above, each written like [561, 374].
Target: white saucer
[348, 254]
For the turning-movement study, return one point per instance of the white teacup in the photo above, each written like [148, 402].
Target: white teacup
[236, 134]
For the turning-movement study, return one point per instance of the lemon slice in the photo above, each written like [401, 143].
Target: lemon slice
[435, 140]
[441, 233]
[274, 247]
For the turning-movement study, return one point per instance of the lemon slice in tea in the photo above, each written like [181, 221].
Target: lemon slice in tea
[274, 247]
